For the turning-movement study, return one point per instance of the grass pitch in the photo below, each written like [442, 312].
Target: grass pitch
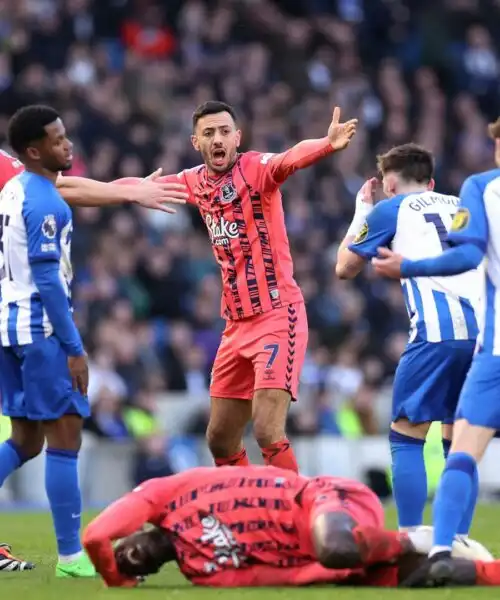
[31, 535]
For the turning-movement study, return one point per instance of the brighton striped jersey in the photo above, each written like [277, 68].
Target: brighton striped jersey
[35, 226]
[416, 226]
[478, 222]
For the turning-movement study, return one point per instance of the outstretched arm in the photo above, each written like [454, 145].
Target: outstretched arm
[79, 191]
[122, 518]
[306, 153]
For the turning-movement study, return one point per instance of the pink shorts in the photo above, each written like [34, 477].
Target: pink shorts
[262, 352]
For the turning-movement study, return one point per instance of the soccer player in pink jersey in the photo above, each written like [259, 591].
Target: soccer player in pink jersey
[257, 367]
[261, 526]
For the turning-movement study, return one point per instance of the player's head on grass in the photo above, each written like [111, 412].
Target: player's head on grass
[216, 135]
[494, 131]
[37, 135]
[144, 552]
[405, 169]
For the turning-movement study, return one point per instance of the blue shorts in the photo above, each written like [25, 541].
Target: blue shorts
[479, 401]
[429, 379]
[35, 382]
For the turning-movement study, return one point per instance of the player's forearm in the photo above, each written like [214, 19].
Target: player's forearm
[302, 155]
[348, 263]
[79, 191]
[55, 302]
[119, 520]
[451, 262]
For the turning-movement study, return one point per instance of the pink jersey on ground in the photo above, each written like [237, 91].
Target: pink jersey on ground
[243, 212]
[235, 526]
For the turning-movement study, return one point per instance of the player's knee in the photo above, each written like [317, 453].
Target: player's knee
[267, 433]
[65, 433]
[30, 449]
[221, 442]
[338, 549]
[414, 430]
[334, 542]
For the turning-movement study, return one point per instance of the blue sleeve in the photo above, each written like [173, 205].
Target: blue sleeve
[453, 261]
[44, 221]
[378, 230]
[470, 225]
[54, 299]
[43, 232]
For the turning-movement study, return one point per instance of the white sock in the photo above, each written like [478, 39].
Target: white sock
[70, 558]
[438, 549]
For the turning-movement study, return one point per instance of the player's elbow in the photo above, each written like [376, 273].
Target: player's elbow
[348, 264]
[343, 270]
[91, 537]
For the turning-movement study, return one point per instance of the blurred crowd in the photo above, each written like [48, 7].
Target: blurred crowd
[126, 76]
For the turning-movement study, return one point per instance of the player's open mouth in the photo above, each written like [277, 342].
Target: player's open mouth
[219, 156]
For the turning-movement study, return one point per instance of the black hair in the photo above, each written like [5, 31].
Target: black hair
[212, 107]
[28, 126]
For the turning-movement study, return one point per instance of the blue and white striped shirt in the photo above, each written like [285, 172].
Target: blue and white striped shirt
[35, 226]
[416, 226]
[480, 225]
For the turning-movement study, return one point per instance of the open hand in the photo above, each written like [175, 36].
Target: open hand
[340, 134]
[156, 195]
[388, 263]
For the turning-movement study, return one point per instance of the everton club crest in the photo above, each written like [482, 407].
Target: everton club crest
[228, 192]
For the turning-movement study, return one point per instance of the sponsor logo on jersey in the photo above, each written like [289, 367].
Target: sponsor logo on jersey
[461, 219]
[221, 231]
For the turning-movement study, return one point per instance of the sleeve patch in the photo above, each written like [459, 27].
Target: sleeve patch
[49, 227]
[362, 235]
[461, 219]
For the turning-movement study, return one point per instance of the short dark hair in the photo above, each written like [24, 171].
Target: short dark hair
[410, 161]
[494, 129]
[212, 107]
[28, 125]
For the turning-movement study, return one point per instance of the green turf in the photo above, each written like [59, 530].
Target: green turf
[32, 538]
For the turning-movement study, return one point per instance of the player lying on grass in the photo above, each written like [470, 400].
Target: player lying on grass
[254, 526]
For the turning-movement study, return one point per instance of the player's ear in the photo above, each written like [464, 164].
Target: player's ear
[432, 185]
[194, 141]
[32, 153]
[238, 138]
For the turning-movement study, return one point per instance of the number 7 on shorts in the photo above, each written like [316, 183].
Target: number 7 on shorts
[274, 348]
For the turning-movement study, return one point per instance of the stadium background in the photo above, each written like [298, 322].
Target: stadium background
[126, 76]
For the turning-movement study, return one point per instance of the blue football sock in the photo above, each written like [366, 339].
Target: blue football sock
[453, 497]
[10, 459]
[446, 447]
[63, 492]
[409, 478]
[465, 523]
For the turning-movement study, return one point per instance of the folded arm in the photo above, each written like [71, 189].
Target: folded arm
[119, 520]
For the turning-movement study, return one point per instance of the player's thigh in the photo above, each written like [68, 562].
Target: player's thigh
[48, 388]
[279, 348]
[478, 411]
[232, 374]
[428, 381]
[11, 383]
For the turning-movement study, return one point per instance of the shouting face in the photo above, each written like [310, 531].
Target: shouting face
[218, 139]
